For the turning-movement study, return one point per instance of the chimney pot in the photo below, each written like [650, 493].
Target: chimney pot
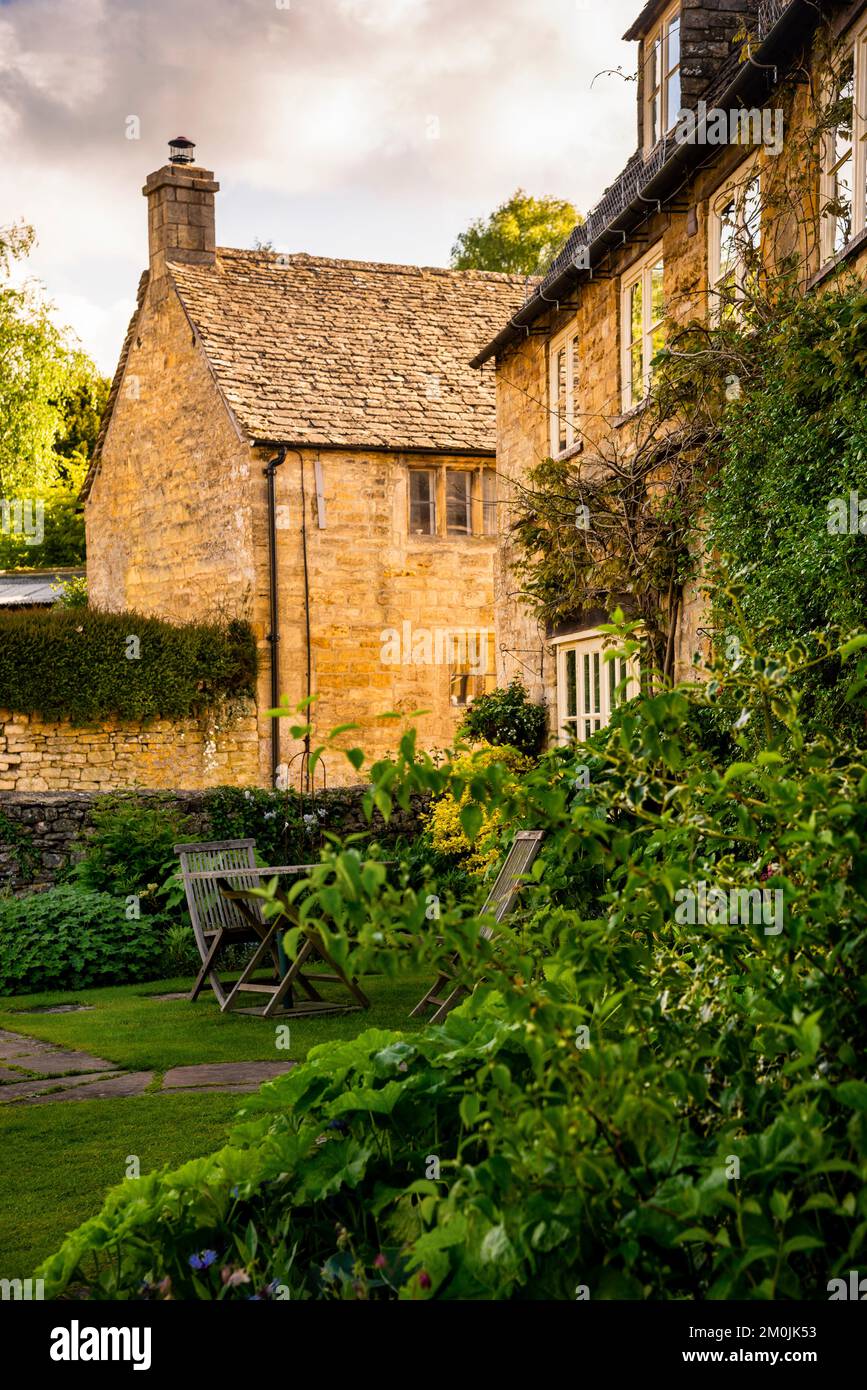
[182, 150]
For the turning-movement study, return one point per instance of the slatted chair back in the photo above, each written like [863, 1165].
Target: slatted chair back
[210, 910]
[516, 865]
[444, 993]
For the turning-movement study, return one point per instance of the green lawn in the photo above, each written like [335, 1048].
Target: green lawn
[57, 1159]
[137, 1032]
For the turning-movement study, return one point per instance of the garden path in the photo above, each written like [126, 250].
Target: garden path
[33, 1072]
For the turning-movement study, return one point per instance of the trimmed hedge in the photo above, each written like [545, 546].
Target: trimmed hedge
[80, 665]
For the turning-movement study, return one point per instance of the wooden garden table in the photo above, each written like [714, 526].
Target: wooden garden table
[281, 994]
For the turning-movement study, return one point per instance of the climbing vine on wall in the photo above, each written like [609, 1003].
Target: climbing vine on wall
[753, 430]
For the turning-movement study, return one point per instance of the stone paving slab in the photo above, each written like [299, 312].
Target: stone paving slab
[34, 1086]
[61, 1062]
[58, 1009]
[244, 1090]
[222, 1075]
[10, 1074]
[15, 1045]
[39, 1073]
[129, 1083]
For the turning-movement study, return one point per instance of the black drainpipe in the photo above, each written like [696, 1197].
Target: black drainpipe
[307, 714]
[274, 635]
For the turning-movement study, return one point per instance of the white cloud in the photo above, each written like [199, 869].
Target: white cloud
[315, 117]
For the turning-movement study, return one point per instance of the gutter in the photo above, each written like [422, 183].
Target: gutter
[754, 73]
[425, 450]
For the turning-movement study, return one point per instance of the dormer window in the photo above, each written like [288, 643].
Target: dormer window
[661, 77]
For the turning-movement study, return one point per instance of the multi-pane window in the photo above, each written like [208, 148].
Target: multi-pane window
[641, 323]
[588, 687]
[563, 391]
[452, 501]
[474, 671]
[735, 232]
[459, 502]
[844, 155]
[422, 502]
[662, 77]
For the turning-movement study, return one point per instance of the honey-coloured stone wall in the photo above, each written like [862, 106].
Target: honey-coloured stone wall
[220, 749]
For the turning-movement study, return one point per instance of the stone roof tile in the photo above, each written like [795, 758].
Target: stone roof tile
[313, 351]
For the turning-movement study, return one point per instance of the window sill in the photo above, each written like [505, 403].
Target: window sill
[850, 250]
[448, 540]
[618, 421]
[569, 453]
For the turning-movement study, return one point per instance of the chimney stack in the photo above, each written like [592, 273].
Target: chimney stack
[180, 211]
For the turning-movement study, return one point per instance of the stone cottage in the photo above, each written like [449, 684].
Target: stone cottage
[732, 163]
[301, 442]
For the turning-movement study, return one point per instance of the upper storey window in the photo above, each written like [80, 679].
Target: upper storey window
[661, 77]
[642, 311]
[452, 501]
[563, 392]
[844, 156]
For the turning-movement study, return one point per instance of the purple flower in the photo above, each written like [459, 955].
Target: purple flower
[424, 1280]
[203, 1260]
[380, 1262]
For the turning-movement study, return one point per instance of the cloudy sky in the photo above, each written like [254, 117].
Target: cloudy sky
[370, 129]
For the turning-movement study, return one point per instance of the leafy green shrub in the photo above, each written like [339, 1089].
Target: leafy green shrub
[79, 664]
[274, 819]
[634, 1101]
[71, 593]
[129, 850]
[288, 828]
[68, 939]
[181, 954]
[507, 717]
[457, 829]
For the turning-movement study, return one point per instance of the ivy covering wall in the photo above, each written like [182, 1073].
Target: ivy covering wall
[785, 498]
[83, 665]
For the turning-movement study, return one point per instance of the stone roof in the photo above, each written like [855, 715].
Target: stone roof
[310, 350]
[317, 352]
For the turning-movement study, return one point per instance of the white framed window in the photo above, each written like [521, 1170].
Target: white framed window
[588, 687]
[661, 77]
[843, 185]
[734, 241]
[563, 360]
[642, 310]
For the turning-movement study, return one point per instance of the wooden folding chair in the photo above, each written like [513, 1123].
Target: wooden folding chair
[282, 994]
[217, 923]
[500, 901]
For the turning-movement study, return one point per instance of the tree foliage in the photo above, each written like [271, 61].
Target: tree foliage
[521, 236]
[51, 400]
